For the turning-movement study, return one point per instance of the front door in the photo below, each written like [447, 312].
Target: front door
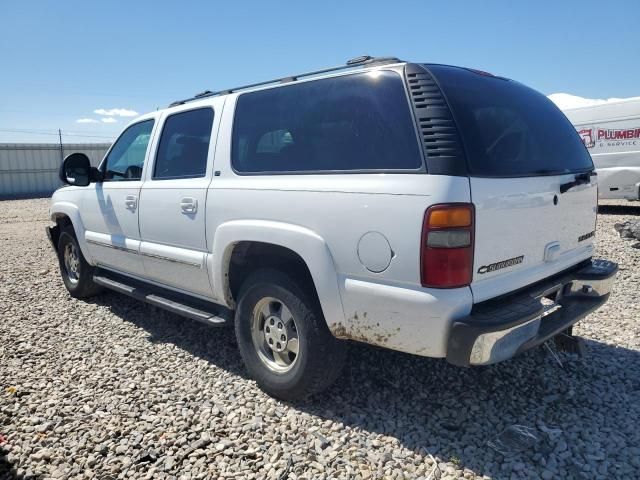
[173, 199]
[109, 209]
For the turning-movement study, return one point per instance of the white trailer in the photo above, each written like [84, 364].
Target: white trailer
[611, 132]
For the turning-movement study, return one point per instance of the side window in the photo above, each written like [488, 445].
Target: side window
[184, 145]
[349, 123]
[126, 158]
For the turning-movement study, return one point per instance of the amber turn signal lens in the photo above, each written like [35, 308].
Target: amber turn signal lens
[450, 217]
[446, 255]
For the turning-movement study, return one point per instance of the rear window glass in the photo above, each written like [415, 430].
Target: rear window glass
[509, 129]
[184, 145]
[355, 122]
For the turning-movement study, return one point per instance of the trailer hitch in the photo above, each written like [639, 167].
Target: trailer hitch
[567, 342]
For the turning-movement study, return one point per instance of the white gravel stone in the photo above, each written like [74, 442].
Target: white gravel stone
[112, 388]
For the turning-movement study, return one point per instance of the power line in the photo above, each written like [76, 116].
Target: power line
[55, 133]
[69, 134]
[47, 131]
[40, 113]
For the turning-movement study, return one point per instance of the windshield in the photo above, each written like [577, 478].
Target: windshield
[508, 129]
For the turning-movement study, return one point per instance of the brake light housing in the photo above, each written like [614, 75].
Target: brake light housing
[447, 244]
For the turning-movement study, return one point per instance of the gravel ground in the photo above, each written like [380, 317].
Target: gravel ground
[111, 388]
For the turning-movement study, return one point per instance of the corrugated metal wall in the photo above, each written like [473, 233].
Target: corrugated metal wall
[31, 169]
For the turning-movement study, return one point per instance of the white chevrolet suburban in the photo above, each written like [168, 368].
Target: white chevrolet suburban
[436, 210]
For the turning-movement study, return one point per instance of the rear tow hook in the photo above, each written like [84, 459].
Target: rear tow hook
[567, 342]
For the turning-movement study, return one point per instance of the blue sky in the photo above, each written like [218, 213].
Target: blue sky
[61, 61]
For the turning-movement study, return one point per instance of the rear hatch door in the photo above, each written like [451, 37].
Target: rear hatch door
[527, 231]
[530, 178]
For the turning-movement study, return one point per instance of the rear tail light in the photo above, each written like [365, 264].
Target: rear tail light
[447, 246]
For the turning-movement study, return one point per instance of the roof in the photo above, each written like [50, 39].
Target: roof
[358, 62]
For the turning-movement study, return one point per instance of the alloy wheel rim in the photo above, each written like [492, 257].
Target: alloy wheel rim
[275, 335]
[72, 263]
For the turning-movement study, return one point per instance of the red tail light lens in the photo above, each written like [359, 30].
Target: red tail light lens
[447, 246]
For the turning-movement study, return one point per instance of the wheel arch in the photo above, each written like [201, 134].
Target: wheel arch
[65, 213]
[293, 240]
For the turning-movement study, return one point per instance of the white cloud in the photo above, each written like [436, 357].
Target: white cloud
[115, 112]
[109, 120]
[565, 101]
[86, 120]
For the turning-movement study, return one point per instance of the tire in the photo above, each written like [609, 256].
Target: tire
[76, 273]
[287, 375]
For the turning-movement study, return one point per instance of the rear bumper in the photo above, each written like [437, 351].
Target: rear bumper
[499, 329]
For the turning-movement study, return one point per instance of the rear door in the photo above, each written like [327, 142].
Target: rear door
[173, 199]
[530, 180]
[526, 230]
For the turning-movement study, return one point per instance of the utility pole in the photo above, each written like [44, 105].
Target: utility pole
[61, 147]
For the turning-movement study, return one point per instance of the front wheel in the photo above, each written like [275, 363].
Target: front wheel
[283, 338]
[76, 273]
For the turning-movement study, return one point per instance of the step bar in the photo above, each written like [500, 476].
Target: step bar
[180, 304]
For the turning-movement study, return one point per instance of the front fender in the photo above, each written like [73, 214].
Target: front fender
[309, 245]
[61, 208]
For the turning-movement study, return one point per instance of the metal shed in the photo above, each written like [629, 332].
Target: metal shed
[31, 169]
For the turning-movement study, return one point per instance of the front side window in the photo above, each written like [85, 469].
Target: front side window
[359, 122]
[126, 159]
[184, 145]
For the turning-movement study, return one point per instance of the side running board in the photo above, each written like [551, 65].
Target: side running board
[196, 309]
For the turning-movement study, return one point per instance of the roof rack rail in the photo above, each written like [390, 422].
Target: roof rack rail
[364, 60]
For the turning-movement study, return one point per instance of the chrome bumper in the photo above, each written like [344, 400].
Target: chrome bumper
[591, 288]
[499, 329]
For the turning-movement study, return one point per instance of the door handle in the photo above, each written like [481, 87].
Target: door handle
[131, 202]
[189, 205]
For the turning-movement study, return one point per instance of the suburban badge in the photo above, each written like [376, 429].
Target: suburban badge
[582, 238]
[499, 265]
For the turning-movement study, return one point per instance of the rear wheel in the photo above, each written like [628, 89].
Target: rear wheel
[274, 334]
[283, 337]
[76, 273]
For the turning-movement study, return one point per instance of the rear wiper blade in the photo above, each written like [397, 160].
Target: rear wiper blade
[547, 171]
[579, 179]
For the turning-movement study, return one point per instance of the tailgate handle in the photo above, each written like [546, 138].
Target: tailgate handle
[579, 179]
[551, 251]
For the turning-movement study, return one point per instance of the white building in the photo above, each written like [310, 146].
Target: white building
[31, 169]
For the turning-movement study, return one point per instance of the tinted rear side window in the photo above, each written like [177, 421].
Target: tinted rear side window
[355, 122]
[184, 145]
[509, 129]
